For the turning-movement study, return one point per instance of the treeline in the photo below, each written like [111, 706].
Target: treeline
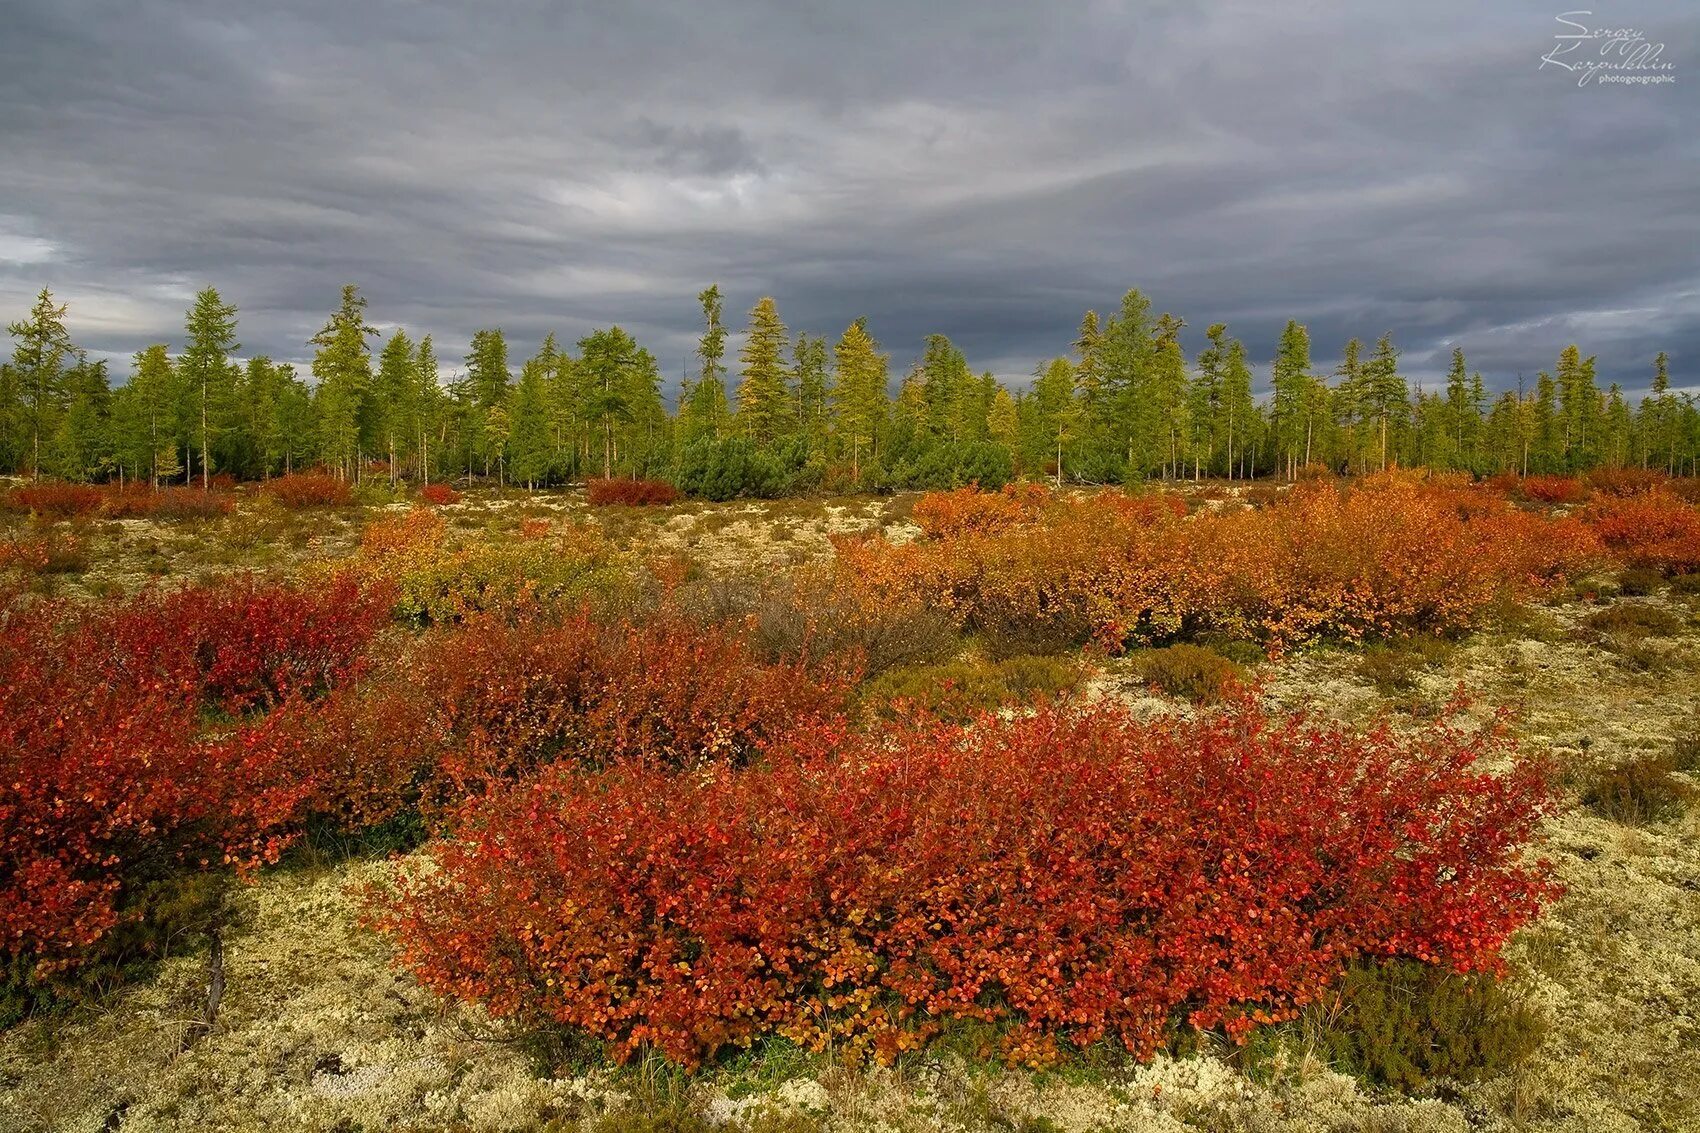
[799, 414]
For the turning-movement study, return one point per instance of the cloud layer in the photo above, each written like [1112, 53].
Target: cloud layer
[989, 174]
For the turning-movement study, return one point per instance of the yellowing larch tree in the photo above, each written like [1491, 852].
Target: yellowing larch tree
[763, 397]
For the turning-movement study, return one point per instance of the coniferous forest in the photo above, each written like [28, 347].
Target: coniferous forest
[794, 412]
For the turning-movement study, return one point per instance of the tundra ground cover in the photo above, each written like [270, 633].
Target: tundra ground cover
[424, 719]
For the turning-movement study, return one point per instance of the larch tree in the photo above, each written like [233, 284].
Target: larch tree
[393, 395]
[1388, 398]
[858, 394]
[342, 371]
[428, 398]
[150, 398]
[206, 370]
[1290, 376]
[1058, 413]
[809, 370]
[703, 404]
[528, 426]
[488, 382]
[762, 394]
[38, 369]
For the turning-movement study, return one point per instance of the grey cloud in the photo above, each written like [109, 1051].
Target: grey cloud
[981, 170]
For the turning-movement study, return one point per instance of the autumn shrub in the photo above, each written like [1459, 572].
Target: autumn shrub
[44, 553]
[139, 501]
[309, 489]
[439, 582]
[631, 493]
[1639, 582]
[132, 743]
[438, 495]
[1066, 877]
[1191, 672]
[962, 690]
[1390, 556]
[55, 499]
[492, 699]
[1627, 481]
[1652, 529]
[1638, 791]
[1406, 1024]
[1552, 489]
[970, 511]
[808, 615]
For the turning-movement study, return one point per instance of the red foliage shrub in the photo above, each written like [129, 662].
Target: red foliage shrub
[491, 700]
[140, 500]
[1067, 877]
[438, 494]
[56, 499]
[309, 489]
[43, 554]
[632, 493]
[1552, 489]
[110, 767]
[1652, 529]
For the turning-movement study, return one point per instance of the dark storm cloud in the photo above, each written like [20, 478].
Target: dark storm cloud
[985, 171]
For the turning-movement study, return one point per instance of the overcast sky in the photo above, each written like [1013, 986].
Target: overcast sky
[986, 170]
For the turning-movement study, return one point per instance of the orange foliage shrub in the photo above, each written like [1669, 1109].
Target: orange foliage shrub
[1627, 481]
[969, 511]
[309, 489]
[1552, 489]
[1067, 878]
[632, 493]
[1652, 529]
[42, 554]
[1393, 554]
[142, 501]
[56, 499]
[438, 494]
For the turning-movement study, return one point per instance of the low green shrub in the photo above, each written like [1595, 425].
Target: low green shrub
[1395, 667]
[802, 617]
[158, 918]
[1405, 1024]
[1638, 582]
[1632, 620]
[1685, 754]
[1637, 792]
[1192, 672]
[961, 690]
